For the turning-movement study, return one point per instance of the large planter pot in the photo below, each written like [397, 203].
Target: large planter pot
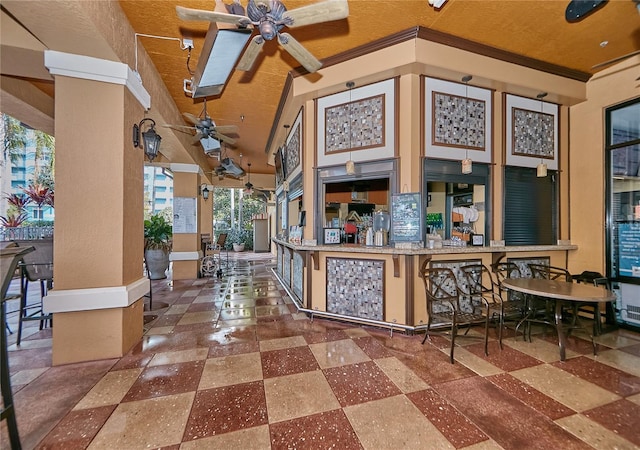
[157, 263]
[238, 247]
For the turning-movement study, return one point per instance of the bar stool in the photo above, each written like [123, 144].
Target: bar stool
[9, 258]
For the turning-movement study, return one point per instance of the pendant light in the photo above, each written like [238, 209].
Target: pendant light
[541, 169]
[467, 164]
[350, 166]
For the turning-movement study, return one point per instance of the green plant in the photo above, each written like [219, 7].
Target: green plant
[239, 236]
[157, 233]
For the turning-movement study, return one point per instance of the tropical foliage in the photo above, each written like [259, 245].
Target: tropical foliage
[232, 214]
[158, 233]
[13, 219]
[39, 194]
[20, 144]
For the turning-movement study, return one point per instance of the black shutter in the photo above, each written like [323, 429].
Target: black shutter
[530, 207]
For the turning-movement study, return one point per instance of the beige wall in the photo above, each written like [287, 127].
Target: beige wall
[587, 182]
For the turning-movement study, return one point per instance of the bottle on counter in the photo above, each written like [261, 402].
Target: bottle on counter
[369, 236]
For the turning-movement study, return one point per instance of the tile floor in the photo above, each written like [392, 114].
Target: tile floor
[231, 364]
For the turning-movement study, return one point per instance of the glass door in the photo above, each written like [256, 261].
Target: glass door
[623, 207]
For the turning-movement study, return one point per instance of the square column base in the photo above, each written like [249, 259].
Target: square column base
[97, 334]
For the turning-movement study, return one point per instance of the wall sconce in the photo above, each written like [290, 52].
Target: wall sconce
[541, 169]
[204, 191]
[150, 139]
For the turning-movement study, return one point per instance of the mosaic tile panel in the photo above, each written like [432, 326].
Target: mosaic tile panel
[355, 287]
[292, 151]
[279, 260]
[297, 279]
[458, 121]
[286, 266]
[355, 125]
[533, 133]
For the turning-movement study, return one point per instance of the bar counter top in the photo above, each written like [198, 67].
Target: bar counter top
[356, 248]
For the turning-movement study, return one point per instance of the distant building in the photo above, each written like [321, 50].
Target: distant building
[19, 173]
[158, 189]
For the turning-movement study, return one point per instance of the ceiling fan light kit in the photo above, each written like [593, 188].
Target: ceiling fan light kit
[210, 145]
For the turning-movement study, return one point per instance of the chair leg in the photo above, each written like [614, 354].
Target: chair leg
[8, 408]
[486, 335]
[23, 309]
[501, 325]
[597, 324]
[454, 332]
[426, 334]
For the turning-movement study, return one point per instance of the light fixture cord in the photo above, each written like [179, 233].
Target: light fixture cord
[182, 47]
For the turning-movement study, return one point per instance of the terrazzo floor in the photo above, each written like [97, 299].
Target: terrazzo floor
[230, 364]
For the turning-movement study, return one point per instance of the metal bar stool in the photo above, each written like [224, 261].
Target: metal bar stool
[9, 258]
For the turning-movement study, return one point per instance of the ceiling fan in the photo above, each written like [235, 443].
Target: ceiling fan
[269, 17]
[254, 192]
[206, 128]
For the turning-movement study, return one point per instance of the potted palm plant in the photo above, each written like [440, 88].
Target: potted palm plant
[158, 233]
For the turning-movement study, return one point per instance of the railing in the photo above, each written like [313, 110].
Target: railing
[25, 233]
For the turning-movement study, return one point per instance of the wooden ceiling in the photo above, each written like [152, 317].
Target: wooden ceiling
[534, 29]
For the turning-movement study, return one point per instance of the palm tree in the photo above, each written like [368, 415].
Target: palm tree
[15, 138]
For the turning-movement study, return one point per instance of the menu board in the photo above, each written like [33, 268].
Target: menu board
[185, 216]
[406, 218]
[629, 249]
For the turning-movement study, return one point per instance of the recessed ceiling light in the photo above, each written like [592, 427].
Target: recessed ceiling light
[603, 44]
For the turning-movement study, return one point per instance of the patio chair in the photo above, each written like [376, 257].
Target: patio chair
[445, 311]
[36, 266]
[513, 304]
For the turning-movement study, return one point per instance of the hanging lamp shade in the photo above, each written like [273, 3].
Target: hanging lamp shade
[151, 143]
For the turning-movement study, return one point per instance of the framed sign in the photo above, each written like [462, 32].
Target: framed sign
[477, 240]
[406, 218]
[185, 215]
[331, 236]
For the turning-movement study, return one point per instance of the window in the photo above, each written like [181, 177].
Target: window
[458, 205]
[623, 191]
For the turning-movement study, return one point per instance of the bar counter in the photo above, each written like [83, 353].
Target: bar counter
[382, 286]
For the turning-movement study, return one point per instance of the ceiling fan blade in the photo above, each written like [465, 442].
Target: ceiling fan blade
[179, 127]
[318, 12]
[223, 138]
[304, 57]
[250, 54]
[211, 16]
[615, 60]
[226, 129]
[191, 118]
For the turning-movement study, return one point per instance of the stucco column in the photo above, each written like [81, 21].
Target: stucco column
[98, 241]
[187, 207]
